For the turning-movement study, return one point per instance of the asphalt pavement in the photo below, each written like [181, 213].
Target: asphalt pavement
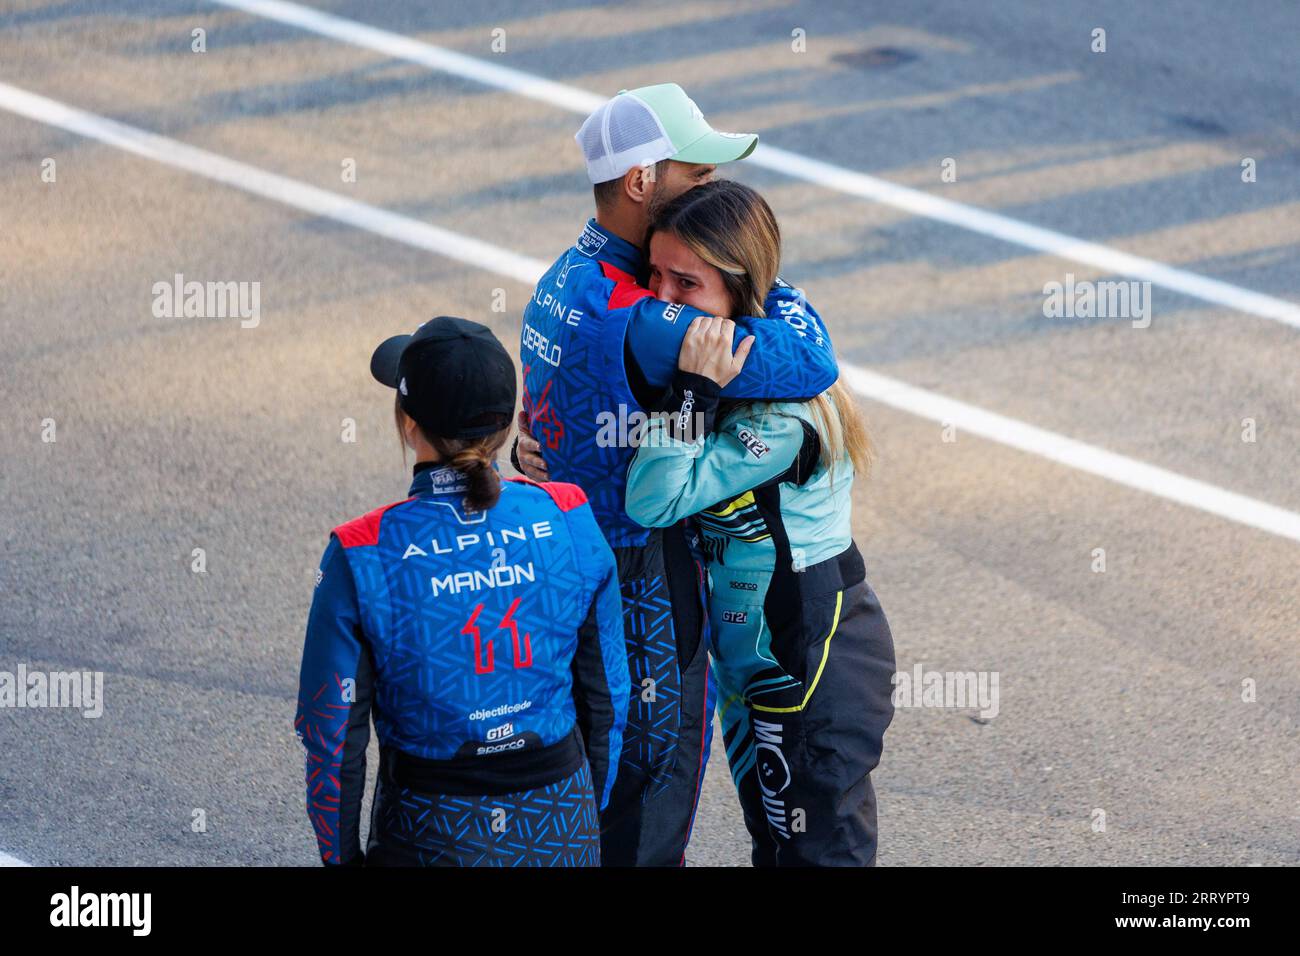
[1163, 691]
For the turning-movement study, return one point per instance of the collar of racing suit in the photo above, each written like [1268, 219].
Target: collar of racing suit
[434, 478]
[603, 246]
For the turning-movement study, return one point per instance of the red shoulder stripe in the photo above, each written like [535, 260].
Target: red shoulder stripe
[626, 291]
[563, 494]
[566, 496]
[364, 530]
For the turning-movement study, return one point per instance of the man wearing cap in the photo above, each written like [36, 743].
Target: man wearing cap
[597, 351]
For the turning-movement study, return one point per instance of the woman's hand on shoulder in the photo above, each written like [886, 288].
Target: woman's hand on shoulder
[706, 349]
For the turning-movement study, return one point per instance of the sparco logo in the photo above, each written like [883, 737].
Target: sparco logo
[744, 586]
[497, 748]
[773, 774]
[684, 413]
[756, 446]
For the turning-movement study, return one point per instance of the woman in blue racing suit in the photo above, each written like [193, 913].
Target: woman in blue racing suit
[801, 649]
[479, 623]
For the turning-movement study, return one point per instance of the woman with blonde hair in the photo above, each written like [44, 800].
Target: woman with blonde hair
[802, 652]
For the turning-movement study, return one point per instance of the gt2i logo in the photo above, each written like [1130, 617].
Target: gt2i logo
[735, 617]
[484, 652]
[502, 732]
[757, 447]
[672, 310]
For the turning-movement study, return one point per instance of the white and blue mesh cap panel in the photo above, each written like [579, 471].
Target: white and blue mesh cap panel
[620, 135]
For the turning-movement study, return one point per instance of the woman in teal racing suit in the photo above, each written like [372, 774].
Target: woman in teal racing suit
[801, 649]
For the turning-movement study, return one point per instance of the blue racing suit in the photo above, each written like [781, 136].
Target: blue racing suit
[596, 349]
[488, 647]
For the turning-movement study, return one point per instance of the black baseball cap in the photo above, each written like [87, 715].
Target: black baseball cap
[452, 375]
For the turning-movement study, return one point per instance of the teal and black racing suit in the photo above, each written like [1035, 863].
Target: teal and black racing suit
[596, 350]
[802, 652]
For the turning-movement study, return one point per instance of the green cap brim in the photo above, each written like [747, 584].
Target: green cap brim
[715, 147]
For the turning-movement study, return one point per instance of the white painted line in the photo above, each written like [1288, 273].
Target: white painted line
[1111, 261]
[939, 408]
[401, 47]
[7, 860]
[281, 189]
[838, 178]
[1074, 454]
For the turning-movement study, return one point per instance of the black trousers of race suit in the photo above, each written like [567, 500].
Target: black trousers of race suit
[806, 792]
[807, 799]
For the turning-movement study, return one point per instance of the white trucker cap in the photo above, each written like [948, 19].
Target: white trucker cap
[642, 126]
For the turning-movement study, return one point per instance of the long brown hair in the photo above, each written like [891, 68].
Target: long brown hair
[732, 228]
[472, 457]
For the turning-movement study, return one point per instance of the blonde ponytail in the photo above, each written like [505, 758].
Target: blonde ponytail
[842, 429]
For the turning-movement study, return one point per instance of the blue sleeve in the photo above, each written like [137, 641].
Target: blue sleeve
[335, 691]
[792, 359]
[601, 685]
[683, 465]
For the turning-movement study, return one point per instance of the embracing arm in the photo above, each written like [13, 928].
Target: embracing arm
[792, 358]
[683, 465]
